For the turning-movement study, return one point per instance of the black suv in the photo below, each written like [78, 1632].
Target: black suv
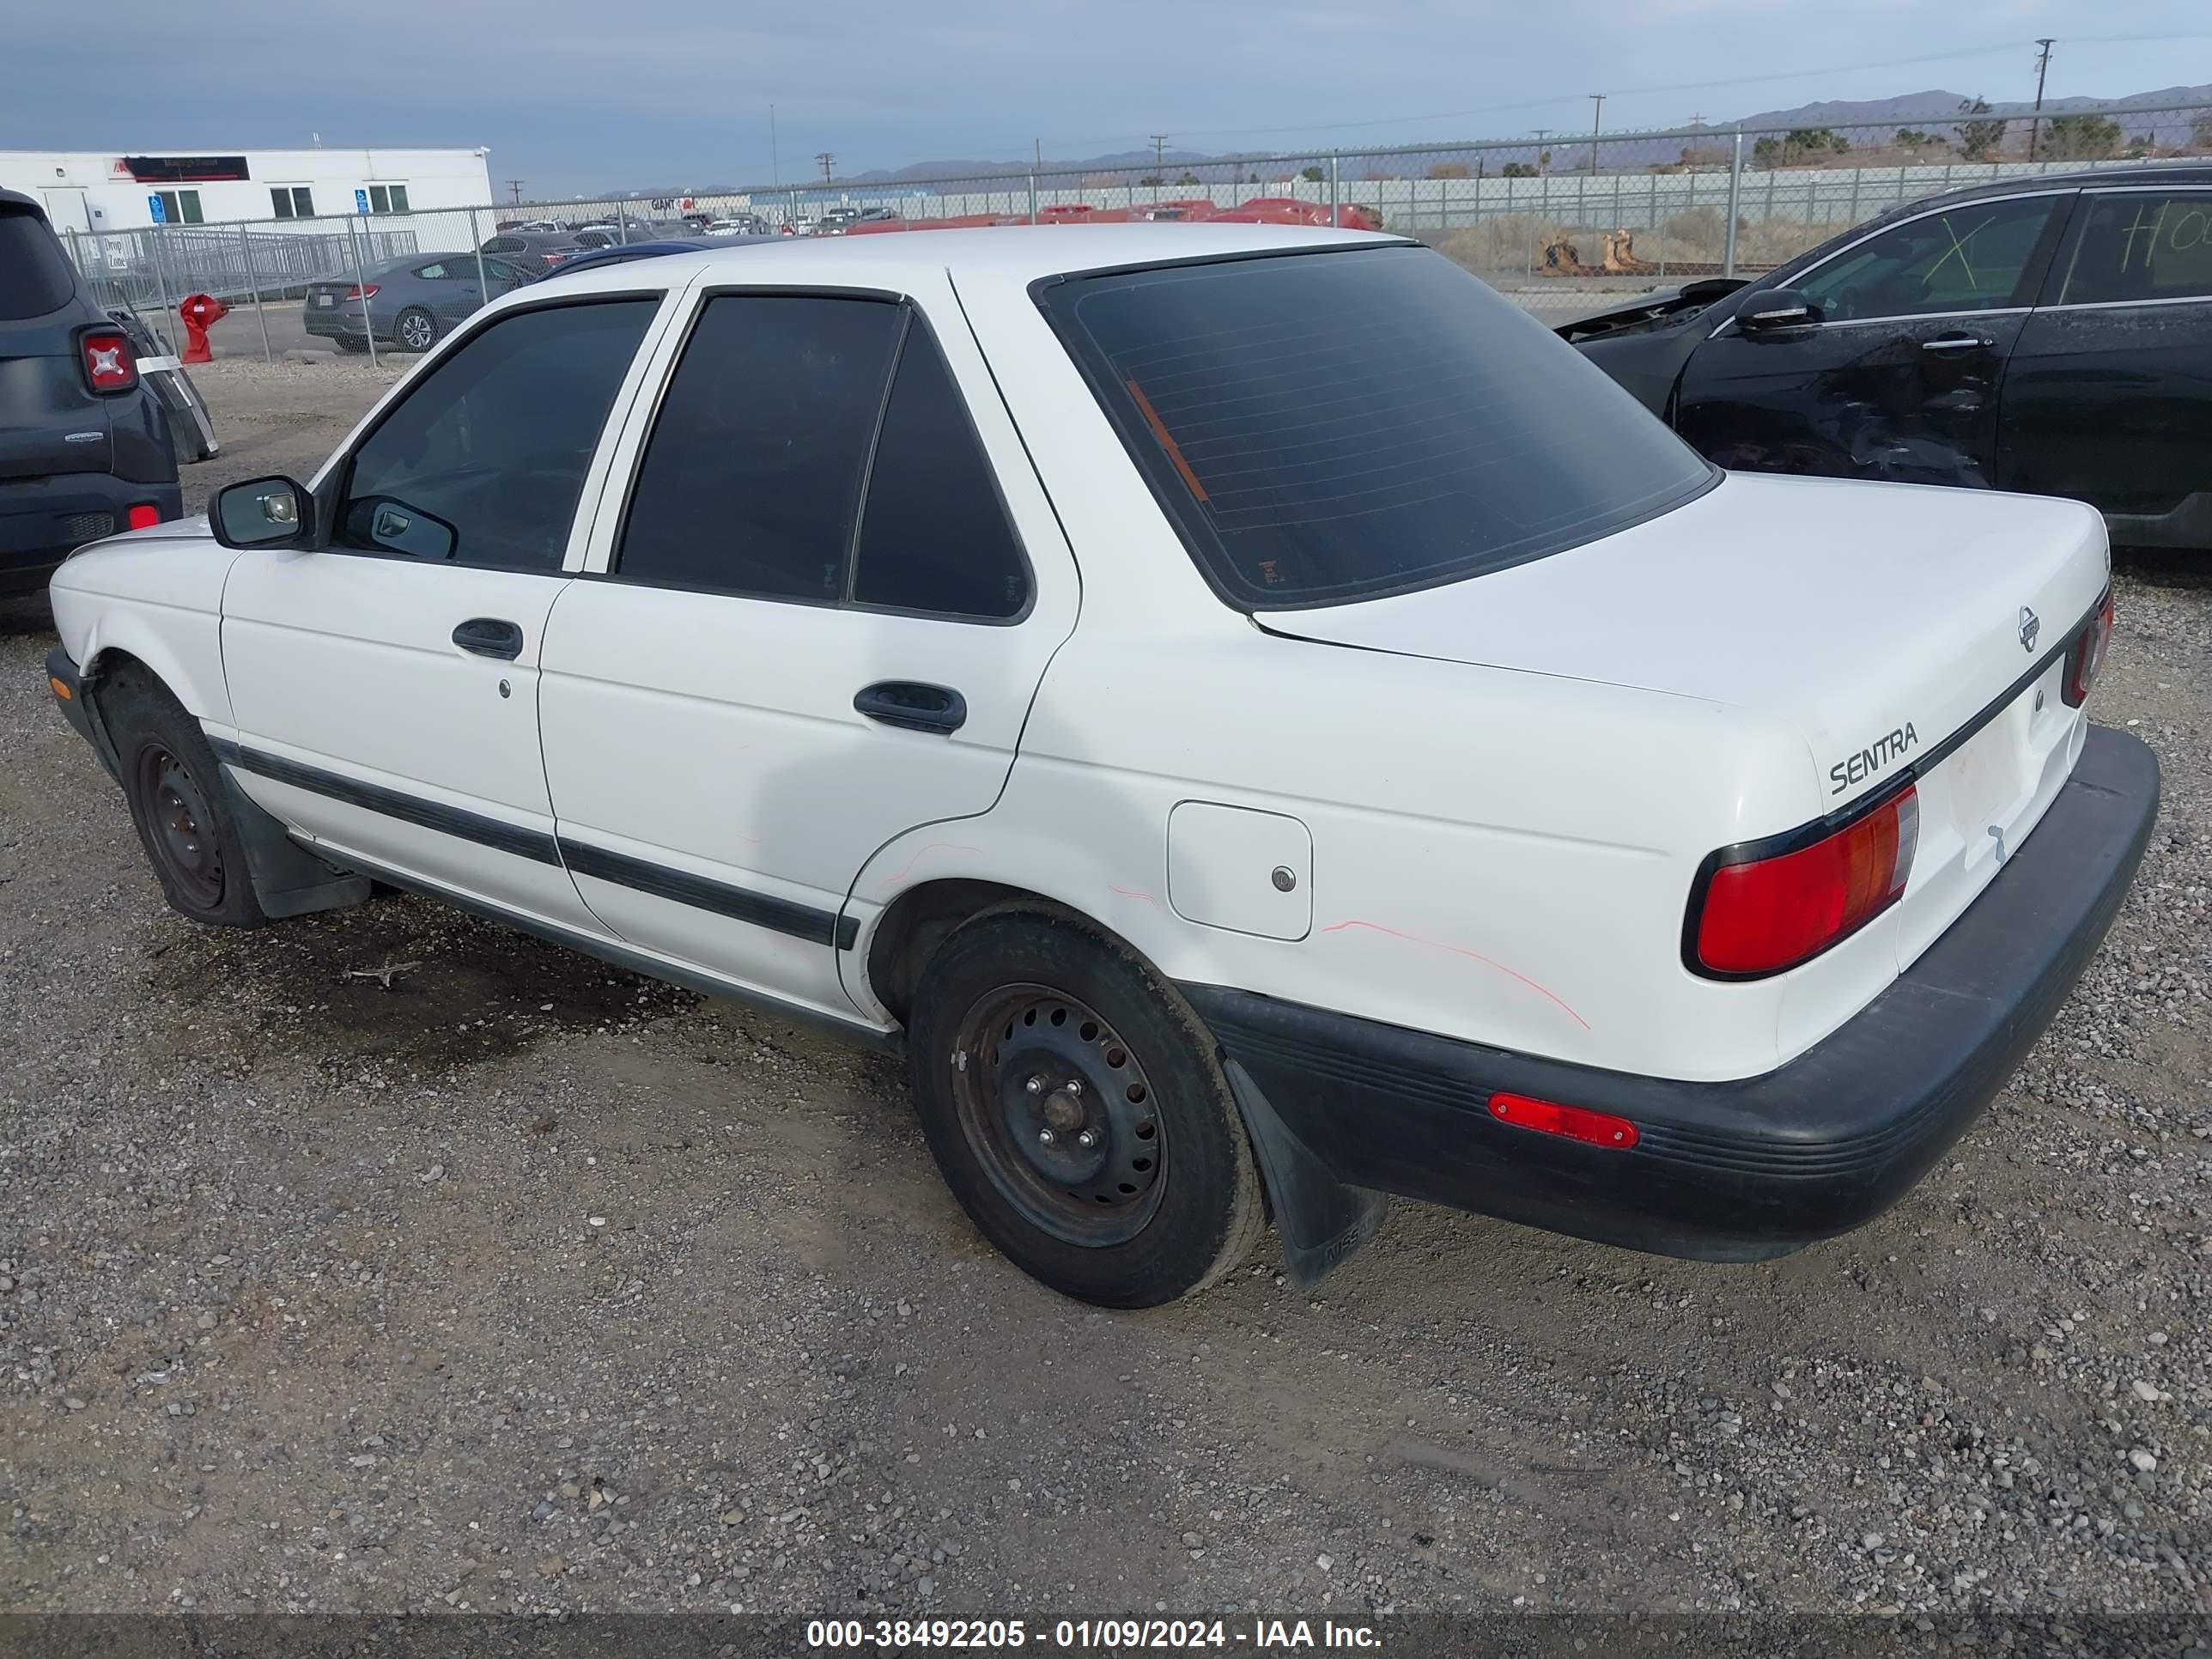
[85, 447]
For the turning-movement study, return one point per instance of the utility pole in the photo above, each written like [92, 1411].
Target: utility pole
[514, 189]
[1597, 125]
[2042, 68]
[1159, 163]
[1542, 164]
[828, 167]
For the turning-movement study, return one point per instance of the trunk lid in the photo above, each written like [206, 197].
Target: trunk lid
[1877, 620]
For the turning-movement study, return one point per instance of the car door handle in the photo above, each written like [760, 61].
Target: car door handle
[1957, 343]
[488, 636]
[914, 705]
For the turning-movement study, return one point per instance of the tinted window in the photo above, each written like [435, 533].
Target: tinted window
[1336, 426]
[933, 535]
[504, 245]
[35, 274]
[483, 461]
[2144, 246]
[1969, 258]
[753, 473]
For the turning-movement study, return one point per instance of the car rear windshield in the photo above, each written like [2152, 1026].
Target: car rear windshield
[35, 277]
[1341, 425]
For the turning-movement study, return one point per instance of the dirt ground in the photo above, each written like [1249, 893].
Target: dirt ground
[520, 1284]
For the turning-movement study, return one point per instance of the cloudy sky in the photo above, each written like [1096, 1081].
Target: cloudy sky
[575, 95]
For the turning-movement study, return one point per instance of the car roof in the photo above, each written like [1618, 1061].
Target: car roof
[2198, 174]
[14, 198]
[1025, 253]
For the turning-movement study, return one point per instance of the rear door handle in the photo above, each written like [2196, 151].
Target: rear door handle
[1957, 343]
[488, 636]
[911, 705]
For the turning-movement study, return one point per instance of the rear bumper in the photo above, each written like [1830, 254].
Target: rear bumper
[1739, 1170]
[42, 519]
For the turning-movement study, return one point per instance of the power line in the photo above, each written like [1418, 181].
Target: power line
[2042, 69]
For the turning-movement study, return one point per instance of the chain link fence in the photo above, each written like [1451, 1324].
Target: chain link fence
[1554, 217]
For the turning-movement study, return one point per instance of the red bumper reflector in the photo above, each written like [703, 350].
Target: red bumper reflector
[1575, 1122]
[143, 516]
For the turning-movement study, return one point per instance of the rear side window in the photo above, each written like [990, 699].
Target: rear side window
[1340, 426]
[933, 535]
[35, 274]
[2141, 246]
[751, 476]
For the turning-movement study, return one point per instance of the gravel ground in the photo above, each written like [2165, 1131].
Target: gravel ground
[522, 1284]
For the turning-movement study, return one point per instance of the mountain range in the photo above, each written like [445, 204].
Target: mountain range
[1933, 108]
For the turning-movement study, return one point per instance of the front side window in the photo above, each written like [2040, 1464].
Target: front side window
[1972, 257]
[752, 477]
[2141, 245]
[1330, 425]
[483, 461]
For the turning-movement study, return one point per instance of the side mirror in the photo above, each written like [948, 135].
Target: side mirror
[1777, 310]
[263, 513]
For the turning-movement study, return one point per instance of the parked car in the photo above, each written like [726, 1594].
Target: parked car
[1439, 780]
[838, 220]
[2051, 335]
[598, 258]
[542, 249]
[85, 442]
[740, 224]
[801, 225]
[409, 304]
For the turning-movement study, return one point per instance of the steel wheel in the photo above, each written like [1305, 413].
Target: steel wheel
[417, 330]
[181, 829]
[1059, 1111]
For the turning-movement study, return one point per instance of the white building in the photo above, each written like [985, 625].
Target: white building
[93, 190]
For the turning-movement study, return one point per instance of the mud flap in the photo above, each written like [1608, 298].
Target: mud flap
[287, 879]
[1321, 1220]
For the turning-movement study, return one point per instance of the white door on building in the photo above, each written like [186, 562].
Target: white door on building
[66, 207]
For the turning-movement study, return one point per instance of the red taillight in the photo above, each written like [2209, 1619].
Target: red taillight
[1760, 915]
[1575, 1122]
[143, 515]
[361, 293]
[108, 363]
[2085, 658]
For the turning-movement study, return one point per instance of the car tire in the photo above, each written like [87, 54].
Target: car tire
[1030, 1032]
[413, 329]
[180, 803]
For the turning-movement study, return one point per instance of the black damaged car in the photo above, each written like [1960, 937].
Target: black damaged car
[2050, 335]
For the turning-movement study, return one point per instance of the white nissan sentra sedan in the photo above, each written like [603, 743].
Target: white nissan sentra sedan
[1256, 720]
